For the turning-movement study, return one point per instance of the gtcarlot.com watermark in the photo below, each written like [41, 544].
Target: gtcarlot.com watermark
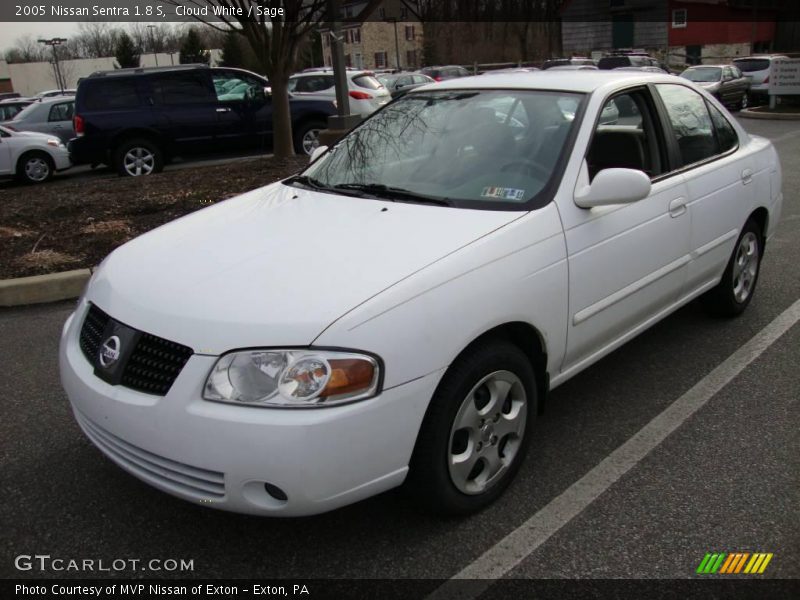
[48, 563]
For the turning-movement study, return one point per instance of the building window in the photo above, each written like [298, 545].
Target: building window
[679, 18]
[382, 13]
[403, 12]
[348, 11]
[411, 58]
[380, 60]
[353, 36]
[359, 61]
[409, 33]
[348, 62]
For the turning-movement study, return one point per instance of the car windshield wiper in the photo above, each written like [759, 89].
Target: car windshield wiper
[386, 192]
[306, 181]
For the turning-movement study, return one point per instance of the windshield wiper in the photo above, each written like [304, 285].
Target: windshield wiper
[386, 192]
[306, 181]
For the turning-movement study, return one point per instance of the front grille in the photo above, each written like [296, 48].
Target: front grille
[181, 478]
[92, 332]
[154, 362]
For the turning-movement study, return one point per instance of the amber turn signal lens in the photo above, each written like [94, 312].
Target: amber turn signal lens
[349, 375]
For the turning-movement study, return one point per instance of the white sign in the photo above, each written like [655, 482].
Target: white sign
[784, 77]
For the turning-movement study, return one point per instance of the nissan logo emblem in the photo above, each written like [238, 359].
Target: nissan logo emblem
[109, 351]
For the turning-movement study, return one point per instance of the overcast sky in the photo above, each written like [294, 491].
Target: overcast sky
[9, 32]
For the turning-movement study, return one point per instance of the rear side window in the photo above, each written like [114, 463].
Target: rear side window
[726, 134]
[61, 112]
[313, 83]
[368, 82]
[691, 123]
[748, 65]
[108, 95]
[184, 88]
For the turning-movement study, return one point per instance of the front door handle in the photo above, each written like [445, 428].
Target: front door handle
[677, 207]
[221, 110]
[747, 176]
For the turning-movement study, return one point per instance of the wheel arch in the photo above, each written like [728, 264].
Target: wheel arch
[137, 133]
[30, 152]
[761, 218]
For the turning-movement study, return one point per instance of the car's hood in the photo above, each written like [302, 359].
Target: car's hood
[275, 266]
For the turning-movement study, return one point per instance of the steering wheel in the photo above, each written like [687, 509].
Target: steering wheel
[527, 167]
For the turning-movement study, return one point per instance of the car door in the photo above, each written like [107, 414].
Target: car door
[627, 262]
[718, 179]
[185, 108]
[5, 153]
[243, 110]
[59, 120]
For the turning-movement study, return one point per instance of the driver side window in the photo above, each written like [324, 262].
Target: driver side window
[232, 87]
[625, 137]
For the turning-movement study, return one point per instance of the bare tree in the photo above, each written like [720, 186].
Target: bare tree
[26, 49]
[275, 40]
[97, 39]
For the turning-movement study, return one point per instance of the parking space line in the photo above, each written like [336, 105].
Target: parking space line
[509, 552]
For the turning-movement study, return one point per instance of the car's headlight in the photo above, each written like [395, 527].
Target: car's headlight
[292, 378]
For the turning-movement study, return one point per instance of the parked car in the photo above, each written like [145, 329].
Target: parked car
[400, 83]
[52, 116]
[31, 157]
[511, 70]
[135, 120]
[644, 69]
[54, 93]
[629, 59]
[446, 72]
[724, 82]
[567, 62]
[397, 312]
[366, 93]
[573, 68]
[10, 108]
[756, 69]
[7, 95]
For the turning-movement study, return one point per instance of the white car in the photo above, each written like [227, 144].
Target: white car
[31, 157]
[366, 93]
[397, 313]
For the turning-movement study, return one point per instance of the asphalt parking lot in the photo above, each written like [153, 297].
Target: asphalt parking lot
[725, 478]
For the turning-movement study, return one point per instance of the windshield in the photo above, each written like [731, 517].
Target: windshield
[703, 74]
[488, 149]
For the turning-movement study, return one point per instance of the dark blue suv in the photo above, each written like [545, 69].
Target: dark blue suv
[135, 120]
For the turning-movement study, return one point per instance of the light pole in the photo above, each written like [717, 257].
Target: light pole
[53, 42]
[396, 42]
[153, 43]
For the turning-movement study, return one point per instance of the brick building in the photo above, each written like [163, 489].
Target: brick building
[378, 35]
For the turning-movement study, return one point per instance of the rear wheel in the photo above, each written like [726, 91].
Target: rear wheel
[35, 167]
[743, 103]
[137, 157]
[732, 295]
[306, 137]
[476, 432]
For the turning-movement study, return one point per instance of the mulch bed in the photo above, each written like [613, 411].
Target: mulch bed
[71, 223]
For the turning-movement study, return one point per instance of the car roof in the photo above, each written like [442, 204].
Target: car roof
[583, 81]
[707, 66]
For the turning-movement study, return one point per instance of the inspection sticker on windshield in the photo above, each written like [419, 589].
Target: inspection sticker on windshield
[503, 193]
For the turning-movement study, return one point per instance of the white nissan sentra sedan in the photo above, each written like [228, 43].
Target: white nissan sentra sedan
[396, 313]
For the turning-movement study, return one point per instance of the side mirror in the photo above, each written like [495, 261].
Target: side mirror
[318, 151]
[614, 186]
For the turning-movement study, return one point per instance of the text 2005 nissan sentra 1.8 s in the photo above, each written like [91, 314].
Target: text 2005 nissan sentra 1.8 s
[396, 313]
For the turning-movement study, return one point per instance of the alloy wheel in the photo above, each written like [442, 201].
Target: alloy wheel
[139, 161]
[37, 169]
[745, 267]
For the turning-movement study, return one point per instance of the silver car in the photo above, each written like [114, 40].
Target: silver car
[756, 69]
[49, 115]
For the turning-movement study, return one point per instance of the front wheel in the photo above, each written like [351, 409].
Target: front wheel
[743, 103]
[138, 157]
[35, 167]
[476, 432]
[732, 295]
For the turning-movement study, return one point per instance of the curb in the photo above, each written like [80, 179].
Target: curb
[43, 288]
[752, 114]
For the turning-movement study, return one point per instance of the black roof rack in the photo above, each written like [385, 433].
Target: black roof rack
[146, 70]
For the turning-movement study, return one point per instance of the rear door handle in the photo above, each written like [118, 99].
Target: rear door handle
[677, 207]
[747, 176]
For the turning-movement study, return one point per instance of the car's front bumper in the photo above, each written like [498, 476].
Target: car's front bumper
[62, 160]
[221, 455]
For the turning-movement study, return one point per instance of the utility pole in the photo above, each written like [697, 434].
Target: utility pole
[53, 42]
[153, 43]
[396, 44]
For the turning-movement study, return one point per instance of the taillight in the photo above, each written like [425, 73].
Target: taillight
[78, 125]
[360, 95]
[437, 78]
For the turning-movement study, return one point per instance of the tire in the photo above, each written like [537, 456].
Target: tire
[743, 103]
[732, 295]
[137, 157]
[35, 167]
[491, 391]
[306, 137]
